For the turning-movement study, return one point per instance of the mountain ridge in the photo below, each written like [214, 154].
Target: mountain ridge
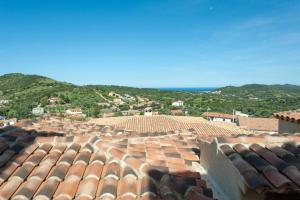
[28, 91]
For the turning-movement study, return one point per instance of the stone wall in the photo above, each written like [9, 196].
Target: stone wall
[288, 127]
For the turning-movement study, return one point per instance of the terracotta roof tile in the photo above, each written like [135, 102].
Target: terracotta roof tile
[87, 188]
[128, 186]
[266, 168]
[293, 116]
[67, 188]
[94, 170]
[76, 171]
[105, 169]
[108, 187]
[9, 188]
[27, 189]
[47, 189]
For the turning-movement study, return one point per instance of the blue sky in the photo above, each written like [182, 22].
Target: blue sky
[155, 43]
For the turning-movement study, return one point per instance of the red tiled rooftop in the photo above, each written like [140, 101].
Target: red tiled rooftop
[136, 168]
[270, 168]
[293, 116]
[220, 115]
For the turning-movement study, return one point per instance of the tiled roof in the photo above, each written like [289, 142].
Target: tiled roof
[230, 126]
[262, 138]
[93, 168]
[293, 116]
[259, 124]
[166, 124]
[270, 168]
[215, 114]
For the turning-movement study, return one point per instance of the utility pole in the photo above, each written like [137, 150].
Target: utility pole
[233, 116]
[208, 109]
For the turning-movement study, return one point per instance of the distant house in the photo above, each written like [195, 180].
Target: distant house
[127, 97]
[4, 102]
[269, 125]
[38, 111]
[220, 117]
[113, 94]
[216, 92]
[54, 100]
[289, 122]
[75, 112]
[177, 112]
[239, 113]
[148, 111]
[177, 104]
[103, 104]
[118, 101]
[8, 122]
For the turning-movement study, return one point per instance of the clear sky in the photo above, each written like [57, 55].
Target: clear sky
[153, 43]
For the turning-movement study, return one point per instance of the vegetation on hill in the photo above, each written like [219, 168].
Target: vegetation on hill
[25, 92]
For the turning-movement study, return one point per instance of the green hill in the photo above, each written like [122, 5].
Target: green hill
[262, 91]
[28, 91]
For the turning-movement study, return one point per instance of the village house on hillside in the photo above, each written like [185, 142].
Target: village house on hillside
[118, 101]
[148, 111]
[113, 94]
[4, 102]
[54, 100]
[75, 112]
[220, 117]
[38, 111]
[7, 122]
[289, 122]
[239, 113]
[177, 103]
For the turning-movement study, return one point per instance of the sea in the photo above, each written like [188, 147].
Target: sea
[190, 89]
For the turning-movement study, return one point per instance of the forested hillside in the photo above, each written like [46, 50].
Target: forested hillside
[24, 92]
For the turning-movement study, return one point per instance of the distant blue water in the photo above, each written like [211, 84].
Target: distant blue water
[189, 89]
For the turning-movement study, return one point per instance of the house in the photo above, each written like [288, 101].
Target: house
[289, 122]
[103, 104]
[113, 94]
[54, 100]
[7, 122]
[11, 121]
[177, 112]
[216, 92]
[239, 113]
[129, 98]
[38, 111]
[220, 117]
[75, 112]
[148, 111]
[265, 125]
[118, 101]
[4, 102]
[177, 104]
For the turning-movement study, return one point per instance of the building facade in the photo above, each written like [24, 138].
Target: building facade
[219, 117]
